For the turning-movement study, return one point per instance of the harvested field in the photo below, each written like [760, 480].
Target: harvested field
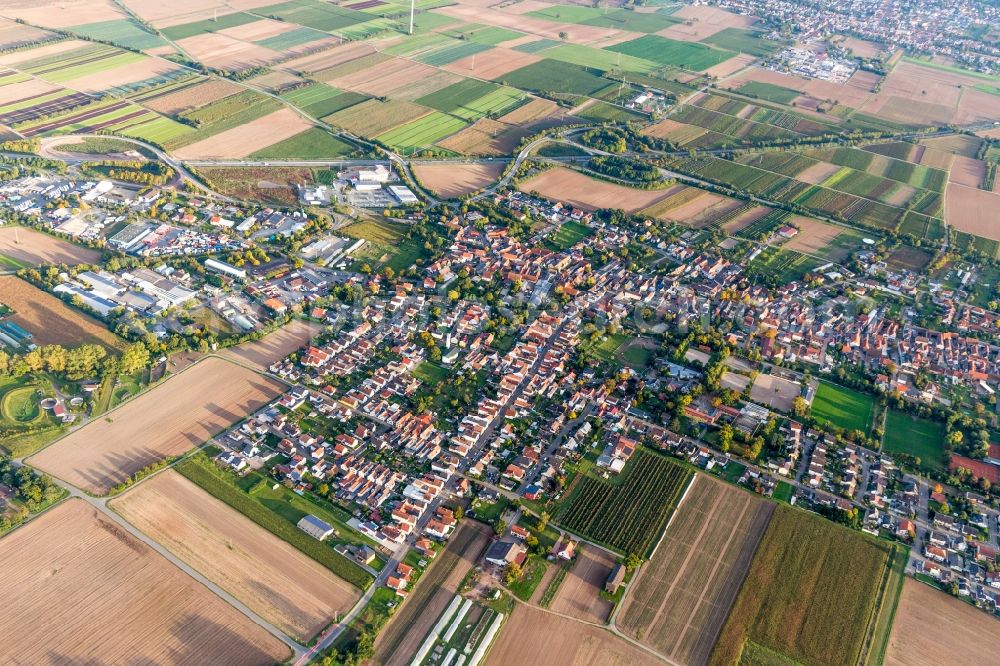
[401, 638]
[193, 97]
[932, 157]
[775, 392]
[679, 133]
[744, 220]
[854, 93]
[273, 578]
[680, 599]
[813, 235]
[574, 188]
[181, 413]
[72, 12]
[274, 346]
[34, 247]
[817, 173]
[386, 78]
[142, 70]
[915, 94]
[966, 171]
[258, 30]
[731, 66]
[15, 57]
[535, 636]
[337, 55]
[579, 594]
[82, 590]
[247, 138]
[706, 21]
[974, 211]
[492, 64]
[222, 52]
[485, 137]
[957, 144]
[931, 627]
[861, 48]
[454, 180]
[48, 319]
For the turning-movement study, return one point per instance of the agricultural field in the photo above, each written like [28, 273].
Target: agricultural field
[85, 590]
[555, 77]
[679, 601]
[794, 604]
[472, 100]
[629, 511]
[422, 133]
[27, 247]
[451, 181]
[49, 320]
[843, 407]
[574, 188]
[373, 116]
[314, 143]
[579, 595]
[399, 641]
[320, 100]
[931, 627]
[274, 346]
[534, 636]
[974, 211]
[664, 51]
[169, 420]
[275, 580]
[915, 437]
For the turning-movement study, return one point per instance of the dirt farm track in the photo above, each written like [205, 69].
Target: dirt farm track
[183, 412]
[79, 589]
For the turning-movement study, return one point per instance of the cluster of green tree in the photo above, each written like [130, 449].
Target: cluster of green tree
[608, 139]
[254, 256]
[33, 490]
[20, 146]
[18, 167]
[144, 173]
[625, 169]
[76, 363]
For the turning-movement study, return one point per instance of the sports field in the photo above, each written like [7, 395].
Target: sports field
[843, 407]
[915, 437]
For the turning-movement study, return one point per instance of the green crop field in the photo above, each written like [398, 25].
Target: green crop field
[555, 76]
[843, 407]
[185, 30]
[537, 46]
[123, 31]
[423, 132]
[768, 91]
[75, 71]
[622, 19]
[319, 99]
[629, 511]
[743, 41]
[601, 59]
[445, 56]
[292, 38]
[795, 601]
[318, 15]
[158, 130]
[373, 117]
[915, 437]
[457, 95]
[312, 144]
[224, 114]
[687, 55]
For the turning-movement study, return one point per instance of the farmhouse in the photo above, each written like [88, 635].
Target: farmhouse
[505, 552]
[615, 579]
[315, 527]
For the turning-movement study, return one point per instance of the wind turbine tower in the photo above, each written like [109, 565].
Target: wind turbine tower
[413, 4]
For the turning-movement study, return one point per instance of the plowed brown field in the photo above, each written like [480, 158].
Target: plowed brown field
[183, 412]
[79, 589]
